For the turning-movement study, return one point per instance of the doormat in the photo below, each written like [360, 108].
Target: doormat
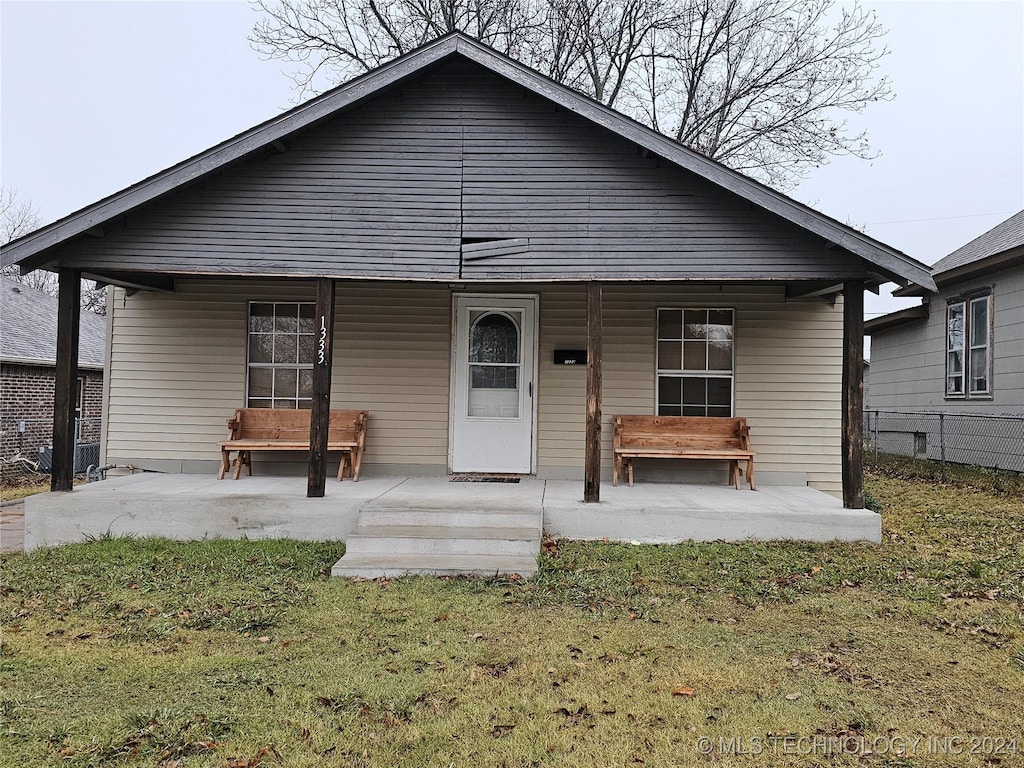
[483, 479]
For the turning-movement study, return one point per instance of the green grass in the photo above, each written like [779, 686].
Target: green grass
[965, 475]
[224, 653]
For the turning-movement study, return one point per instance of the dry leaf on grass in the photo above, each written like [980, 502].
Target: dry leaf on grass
[682, 690]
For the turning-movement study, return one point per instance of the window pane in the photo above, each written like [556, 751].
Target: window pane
[670, 324]
[720, 332]
[305, 383]
[261, 347]
[494, 339]
[670, 410]
[694, 391]
[694, 410]
[670, 355]
[695, 323]
[954, 373]
[720, 317]
[285, 382]
[258, 402]
[493, 391]
[720, 355]
[284, 403]
[305, 405]
[955, 326]
[720, 392]
[286, 348]
[955, 362]
[979, 322]
[261, 382]
[307, 349]
[307, 323]
[669, 390]
[695, 355]
[493, 377]
[261, 317]
[979, 370]
[286, 318]
[718, 410]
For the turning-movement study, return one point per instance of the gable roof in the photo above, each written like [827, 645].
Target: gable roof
[889, 262]
[30, 328]
[1002, 237]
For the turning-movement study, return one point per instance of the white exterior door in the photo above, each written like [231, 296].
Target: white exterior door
[492, 384]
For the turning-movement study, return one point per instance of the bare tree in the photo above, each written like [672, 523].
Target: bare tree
[19, 218]
[760, 85]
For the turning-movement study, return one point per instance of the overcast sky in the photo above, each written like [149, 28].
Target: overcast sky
[96, 96]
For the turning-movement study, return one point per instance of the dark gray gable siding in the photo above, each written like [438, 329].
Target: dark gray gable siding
[462, 175]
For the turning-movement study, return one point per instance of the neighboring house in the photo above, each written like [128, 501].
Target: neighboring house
[961, 352]
[28, 352]
[474, 218]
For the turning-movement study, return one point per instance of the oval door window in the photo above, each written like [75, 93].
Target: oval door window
[494, 377]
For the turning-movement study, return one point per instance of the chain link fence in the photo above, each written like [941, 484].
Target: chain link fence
[957, 444]
[26, 445]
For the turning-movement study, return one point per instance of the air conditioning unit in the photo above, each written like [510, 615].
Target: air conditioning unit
[86, 455]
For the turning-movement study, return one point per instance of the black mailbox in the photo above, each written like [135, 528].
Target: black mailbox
[570, 357]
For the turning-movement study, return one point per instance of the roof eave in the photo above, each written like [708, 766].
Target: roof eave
[892, 262]
[894, 319]
[42, 363]
[227, 152]
[889, 261]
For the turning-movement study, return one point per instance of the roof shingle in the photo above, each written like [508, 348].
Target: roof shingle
[28, 319]
[1002, 237]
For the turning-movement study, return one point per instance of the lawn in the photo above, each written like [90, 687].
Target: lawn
[241, 654]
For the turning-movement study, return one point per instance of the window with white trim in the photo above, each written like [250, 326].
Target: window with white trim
[695, 362]
[80, 399]
[79, 408]
[282, 347]
[969, 347]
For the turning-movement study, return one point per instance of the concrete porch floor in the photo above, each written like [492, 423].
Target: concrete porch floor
[200, 506]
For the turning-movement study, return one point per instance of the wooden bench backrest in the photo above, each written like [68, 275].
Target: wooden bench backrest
[293, 424]
[684, 432]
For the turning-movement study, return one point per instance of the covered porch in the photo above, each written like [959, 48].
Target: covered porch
[200, 506]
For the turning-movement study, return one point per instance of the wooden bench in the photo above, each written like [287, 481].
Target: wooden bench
[682, 437]
[287, 429]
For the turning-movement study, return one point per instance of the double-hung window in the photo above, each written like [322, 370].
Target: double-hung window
[969, 347]
[695, 362]
[282, 346]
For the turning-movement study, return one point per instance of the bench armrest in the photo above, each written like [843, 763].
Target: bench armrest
[234, 425]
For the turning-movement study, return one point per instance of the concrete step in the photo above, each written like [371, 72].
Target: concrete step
[373, 515]
[439, 539]
[375, 566]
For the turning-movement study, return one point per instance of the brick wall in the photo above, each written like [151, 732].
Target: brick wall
[26, 393]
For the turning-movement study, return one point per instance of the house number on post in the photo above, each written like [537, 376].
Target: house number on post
[321, 356]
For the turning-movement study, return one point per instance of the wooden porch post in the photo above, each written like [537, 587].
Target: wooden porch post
[65, 389]
[319, 421]
[853, 394]
[592, 460]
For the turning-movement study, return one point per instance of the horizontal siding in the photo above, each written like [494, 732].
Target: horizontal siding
[907, 369]
[394, 188]
[788, 373]
[169, 395]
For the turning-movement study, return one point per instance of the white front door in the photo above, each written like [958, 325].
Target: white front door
[492, 384]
